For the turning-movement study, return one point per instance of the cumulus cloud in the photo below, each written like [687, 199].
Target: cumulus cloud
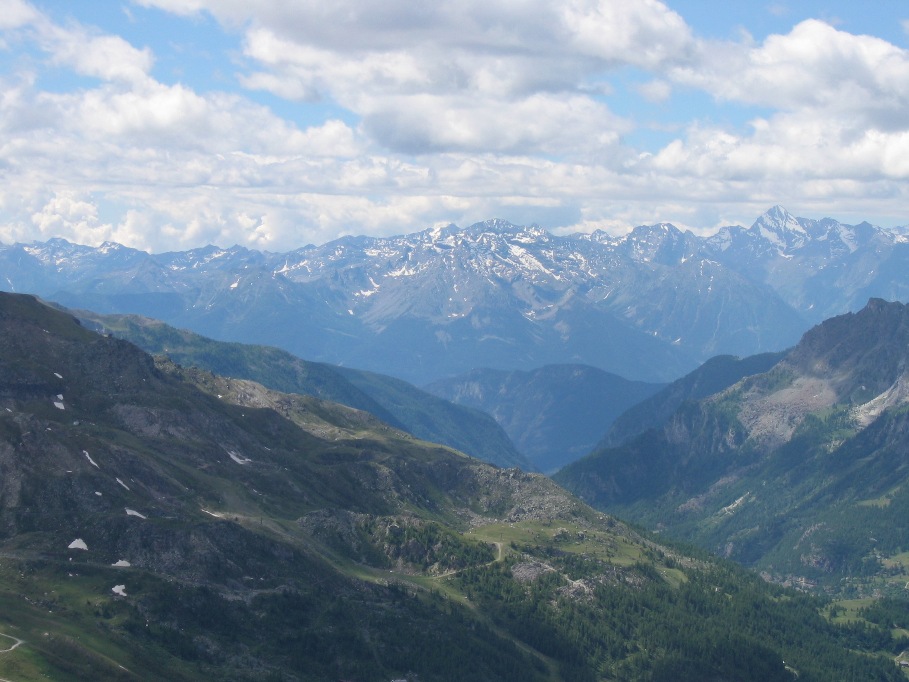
[66, 213]
[814, 67]
[470, 76]
[106, 57]
[16, 13]
[438, 113]
[840, 102]
[540, 123]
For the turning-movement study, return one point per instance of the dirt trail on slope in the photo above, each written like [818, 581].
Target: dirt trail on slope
[16, 642]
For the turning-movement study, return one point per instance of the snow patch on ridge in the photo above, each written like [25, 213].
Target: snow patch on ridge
[238, 458]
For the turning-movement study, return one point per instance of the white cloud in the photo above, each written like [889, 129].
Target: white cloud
[16, 13]
[814, 67]
[837, 129]
[479, 76]
[564, 126]
[76, 47]
[645, 33]
[106, 57]
[69, 214]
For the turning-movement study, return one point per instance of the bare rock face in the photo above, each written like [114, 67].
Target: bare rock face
[529, 571]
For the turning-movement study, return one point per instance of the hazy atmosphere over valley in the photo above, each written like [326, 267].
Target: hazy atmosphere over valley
[482, 340]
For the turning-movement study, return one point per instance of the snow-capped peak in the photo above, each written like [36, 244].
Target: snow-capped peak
[778, 219]
[781, 228]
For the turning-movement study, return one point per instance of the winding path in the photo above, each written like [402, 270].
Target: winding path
[16, 642]
[499, 556]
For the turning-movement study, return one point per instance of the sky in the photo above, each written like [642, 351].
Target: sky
[171, 124]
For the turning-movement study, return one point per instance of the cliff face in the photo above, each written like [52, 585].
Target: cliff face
[809, 447]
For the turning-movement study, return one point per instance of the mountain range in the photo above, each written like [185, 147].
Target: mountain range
[164, 522]
[650, 305]
[799, 471]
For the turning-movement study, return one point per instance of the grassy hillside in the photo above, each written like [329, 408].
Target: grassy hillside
[393, 401]
[158, 522]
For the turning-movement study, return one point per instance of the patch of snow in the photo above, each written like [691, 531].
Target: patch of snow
[239, 459]
[235, 284]
[372, 253]
[59, 405]
[90, 460]
[772, 237]
[123, 563]
[133, 512]
[847, 236]
[78, 543]
[217, 516]
[119, 590]
[403, 271]
[97, 493]
[123, 484]
[58, 375]
[59, 396]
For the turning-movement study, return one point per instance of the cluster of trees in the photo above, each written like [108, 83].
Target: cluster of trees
[720, 623]
[430, 544]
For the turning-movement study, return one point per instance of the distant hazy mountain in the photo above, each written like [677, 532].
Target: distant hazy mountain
[800, 471]
[393, 401]
[650, 305]
[555, 414]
